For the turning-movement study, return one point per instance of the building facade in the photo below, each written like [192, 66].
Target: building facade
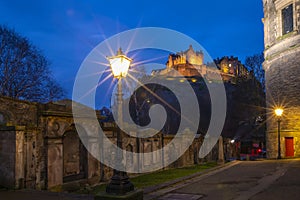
[191, 63]
[282, 67]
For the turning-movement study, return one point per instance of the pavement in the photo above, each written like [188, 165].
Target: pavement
[242, 180]
[238, 180]
[41, 195]
[163, 191]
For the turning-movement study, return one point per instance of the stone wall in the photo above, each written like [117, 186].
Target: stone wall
[40, 147]
[12, 157]
[282, 67]
[16, 112]
[66, 158]
[7, 157]
[282, 81]
[31, 144]
[20, 125]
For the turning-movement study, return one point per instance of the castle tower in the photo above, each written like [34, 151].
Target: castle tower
[282, 69]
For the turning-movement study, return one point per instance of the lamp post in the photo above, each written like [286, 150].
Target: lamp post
[278, 112]
[119, 183]
[137, 112]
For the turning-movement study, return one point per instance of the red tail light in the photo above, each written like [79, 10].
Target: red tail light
[259, 150]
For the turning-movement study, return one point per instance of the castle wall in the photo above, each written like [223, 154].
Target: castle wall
[282, 83]
[191, 63]
[282, 67]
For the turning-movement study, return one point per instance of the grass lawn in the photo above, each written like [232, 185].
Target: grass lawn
[159, 177]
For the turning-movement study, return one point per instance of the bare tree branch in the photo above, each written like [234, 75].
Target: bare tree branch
[24, 71]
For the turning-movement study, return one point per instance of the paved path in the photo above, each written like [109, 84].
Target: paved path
[46, 195]
[255, 180]
[41, 195]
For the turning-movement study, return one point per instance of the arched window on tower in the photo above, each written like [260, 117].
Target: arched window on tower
[287, 19]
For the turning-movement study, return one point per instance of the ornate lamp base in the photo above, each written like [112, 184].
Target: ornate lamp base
[119, 184]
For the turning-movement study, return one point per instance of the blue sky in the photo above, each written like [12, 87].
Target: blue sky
[66, 31]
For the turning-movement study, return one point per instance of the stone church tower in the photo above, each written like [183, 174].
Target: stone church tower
[282, 68]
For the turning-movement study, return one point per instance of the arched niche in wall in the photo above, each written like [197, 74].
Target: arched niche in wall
[4, 118]
[75, 157]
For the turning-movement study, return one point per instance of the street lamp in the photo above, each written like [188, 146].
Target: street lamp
[137, 113]
[119, 64]
[119, 183]
[278, 112]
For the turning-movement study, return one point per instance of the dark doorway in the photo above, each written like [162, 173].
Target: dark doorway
[75, 160]
[289, 146]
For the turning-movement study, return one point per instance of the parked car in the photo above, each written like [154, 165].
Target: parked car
[253, 154]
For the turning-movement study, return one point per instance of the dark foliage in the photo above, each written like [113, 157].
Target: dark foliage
[142, 99]
[245, 105]
[254, 65]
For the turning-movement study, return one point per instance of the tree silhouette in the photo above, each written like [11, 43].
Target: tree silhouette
[254, 65]
[24, 71]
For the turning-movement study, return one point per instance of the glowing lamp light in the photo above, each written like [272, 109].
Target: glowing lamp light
[194, 80]
[278, 112]
[119, 64]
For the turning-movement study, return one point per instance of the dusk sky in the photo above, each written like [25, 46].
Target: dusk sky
[66, 31]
